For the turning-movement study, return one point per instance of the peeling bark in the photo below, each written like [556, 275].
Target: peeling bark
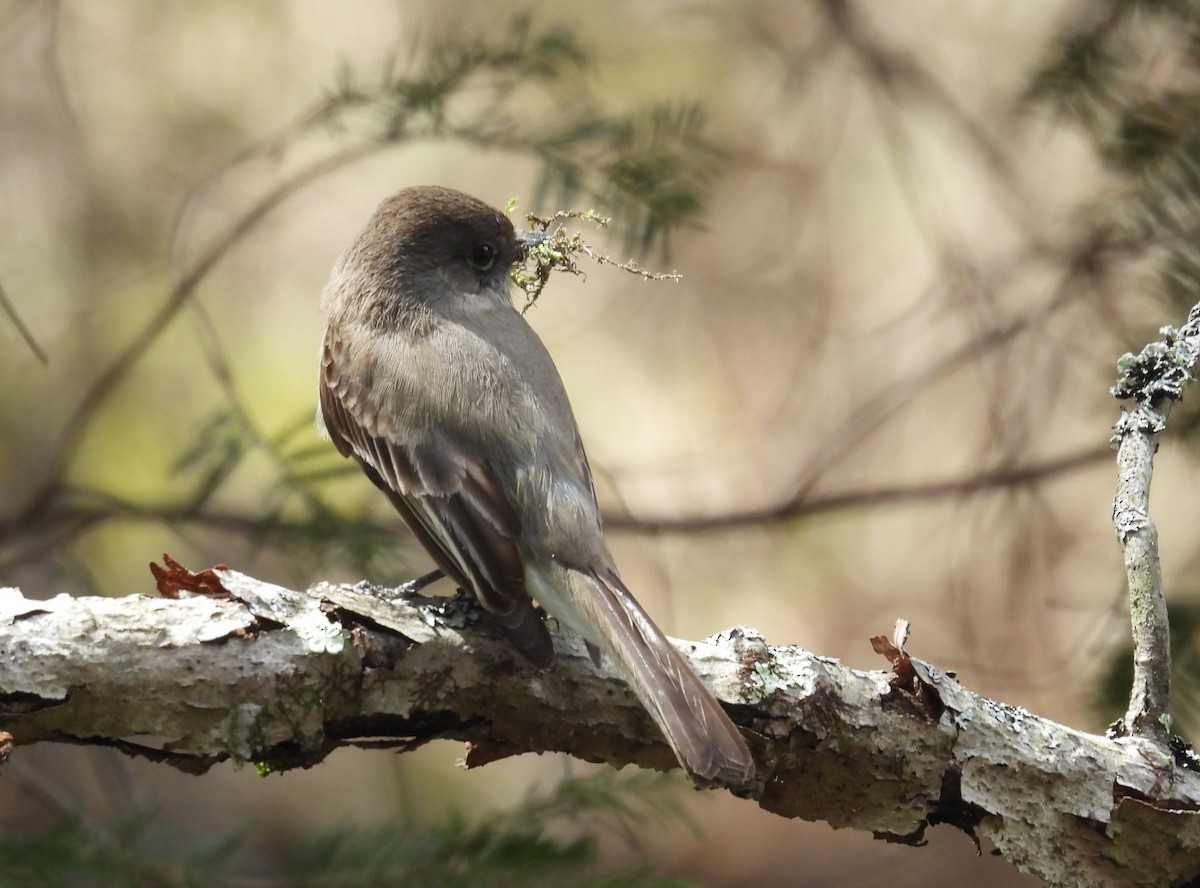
[281, 678]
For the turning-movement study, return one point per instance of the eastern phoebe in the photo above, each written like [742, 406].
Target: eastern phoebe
[448, 400]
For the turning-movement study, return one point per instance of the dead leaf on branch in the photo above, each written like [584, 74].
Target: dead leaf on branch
[175, 579]
[922, 697]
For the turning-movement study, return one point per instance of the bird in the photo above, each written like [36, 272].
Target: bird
[441, 391]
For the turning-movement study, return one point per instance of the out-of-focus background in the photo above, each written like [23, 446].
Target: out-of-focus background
[879, 391]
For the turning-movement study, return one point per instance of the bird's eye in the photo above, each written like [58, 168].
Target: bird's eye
[482, 257]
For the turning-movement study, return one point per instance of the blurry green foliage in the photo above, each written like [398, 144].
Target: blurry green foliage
[516, 86]
[544, 840]
[648, 167]
[1128, 79]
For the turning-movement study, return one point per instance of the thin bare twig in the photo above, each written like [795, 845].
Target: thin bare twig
[11, 310]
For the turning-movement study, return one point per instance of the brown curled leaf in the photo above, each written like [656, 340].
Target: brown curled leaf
[175, 578]
[883, 645]
[904, 680]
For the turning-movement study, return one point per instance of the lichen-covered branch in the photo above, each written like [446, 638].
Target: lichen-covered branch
[277, 677]
[1155, 380]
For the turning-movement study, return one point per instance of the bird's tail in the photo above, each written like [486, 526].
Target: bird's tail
[704, 739]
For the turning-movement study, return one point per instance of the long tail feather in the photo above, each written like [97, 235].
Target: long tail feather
[704, 739]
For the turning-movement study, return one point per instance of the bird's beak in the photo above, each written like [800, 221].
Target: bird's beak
[527, 240]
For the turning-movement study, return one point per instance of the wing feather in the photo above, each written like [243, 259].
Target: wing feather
[447, 498]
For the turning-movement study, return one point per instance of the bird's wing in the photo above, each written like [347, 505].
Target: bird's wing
[448, 498]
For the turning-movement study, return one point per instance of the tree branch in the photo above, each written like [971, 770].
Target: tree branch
[280, 678]
[1155, 380]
